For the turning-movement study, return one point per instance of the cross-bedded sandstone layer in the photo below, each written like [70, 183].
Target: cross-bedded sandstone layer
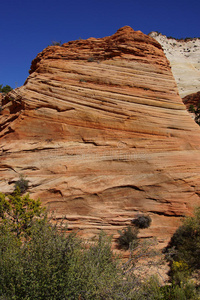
[102, 135]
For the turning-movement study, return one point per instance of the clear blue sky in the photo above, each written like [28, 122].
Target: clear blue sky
[29, 26]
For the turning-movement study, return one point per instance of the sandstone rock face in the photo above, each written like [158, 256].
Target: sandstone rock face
[184, 59]
[100, 132]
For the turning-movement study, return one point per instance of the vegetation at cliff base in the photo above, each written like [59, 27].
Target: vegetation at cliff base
[19, 213]
[128, 237]
[43, 260]
[183, 251]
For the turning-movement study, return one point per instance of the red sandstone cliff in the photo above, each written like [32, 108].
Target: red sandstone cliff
[102, 135]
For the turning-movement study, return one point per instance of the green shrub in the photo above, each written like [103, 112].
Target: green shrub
[53, 265]
[191, 108]
[48, 262]
[184, 291]
[128, 237]
[183, 251]
[5, 89]
[18, 212]
[186, 242]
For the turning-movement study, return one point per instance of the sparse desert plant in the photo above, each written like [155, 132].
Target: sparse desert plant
[56, 43]
[191, 108]
[90, 59]
[5, 89]
[22, 184]
[128, 237]
[142, 221]
[82, 80]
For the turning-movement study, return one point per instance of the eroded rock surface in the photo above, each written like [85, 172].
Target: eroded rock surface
[102, 135]
[184, 56]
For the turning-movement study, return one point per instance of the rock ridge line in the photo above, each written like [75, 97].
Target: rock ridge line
[102, 135]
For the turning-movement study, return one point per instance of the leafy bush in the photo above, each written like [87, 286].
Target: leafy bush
[47, 262]
[186, 242]
[142, 221]
[18, 212]
[51, 265]
[183, 251]
[128, 237]
[38, 260]
[184, 291]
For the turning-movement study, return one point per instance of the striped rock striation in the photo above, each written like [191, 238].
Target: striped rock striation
[102, 135]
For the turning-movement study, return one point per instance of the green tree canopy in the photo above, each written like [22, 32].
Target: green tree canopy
[17, 212]
[5, 89]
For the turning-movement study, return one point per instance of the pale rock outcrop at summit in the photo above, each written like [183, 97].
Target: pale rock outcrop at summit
[184, 57]
[102, 135]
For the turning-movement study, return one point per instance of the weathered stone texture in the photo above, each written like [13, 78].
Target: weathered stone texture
[102, 135]
[183, 55]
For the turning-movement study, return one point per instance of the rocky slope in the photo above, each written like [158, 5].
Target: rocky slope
[184, 57]
[192, 99]
[102, 135]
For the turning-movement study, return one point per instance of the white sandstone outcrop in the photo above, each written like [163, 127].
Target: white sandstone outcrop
[184, 57]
